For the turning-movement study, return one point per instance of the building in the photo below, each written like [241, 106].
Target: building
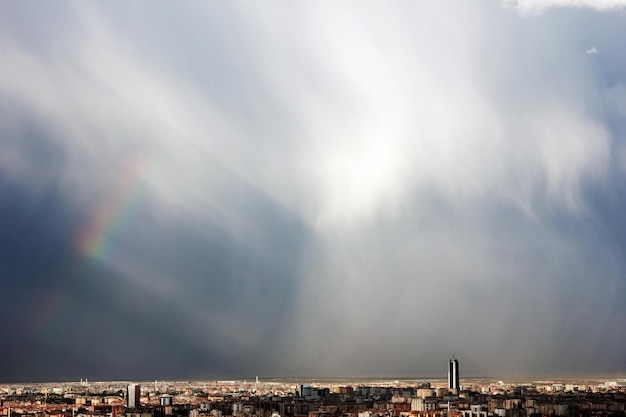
[133, 394]
[453, 374]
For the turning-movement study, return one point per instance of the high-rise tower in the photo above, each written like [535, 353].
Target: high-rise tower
[133, 393]
[453, 374]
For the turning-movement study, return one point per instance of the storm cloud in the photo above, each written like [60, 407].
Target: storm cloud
[199, 190]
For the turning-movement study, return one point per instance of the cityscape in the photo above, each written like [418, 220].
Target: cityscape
[334, 397]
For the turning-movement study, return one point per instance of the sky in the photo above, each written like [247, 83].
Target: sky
[328, 189]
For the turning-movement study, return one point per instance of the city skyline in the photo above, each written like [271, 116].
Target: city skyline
[323, 399]
[225, 189]
[298, 382]
[142, 398]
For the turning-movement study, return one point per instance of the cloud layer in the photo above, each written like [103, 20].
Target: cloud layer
[312, 189]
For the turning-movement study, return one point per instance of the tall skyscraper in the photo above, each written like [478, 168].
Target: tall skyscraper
[133, 393]
[453, 374]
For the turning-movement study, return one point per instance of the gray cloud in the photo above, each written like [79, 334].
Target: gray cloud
[311, 188]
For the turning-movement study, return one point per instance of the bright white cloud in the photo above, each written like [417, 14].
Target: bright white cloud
[538, 6]
[376, 117]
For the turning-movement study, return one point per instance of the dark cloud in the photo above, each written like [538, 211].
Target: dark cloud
[203, 305]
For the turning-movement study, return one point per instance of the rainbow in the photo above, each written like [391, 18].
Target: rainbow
[96, 239]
